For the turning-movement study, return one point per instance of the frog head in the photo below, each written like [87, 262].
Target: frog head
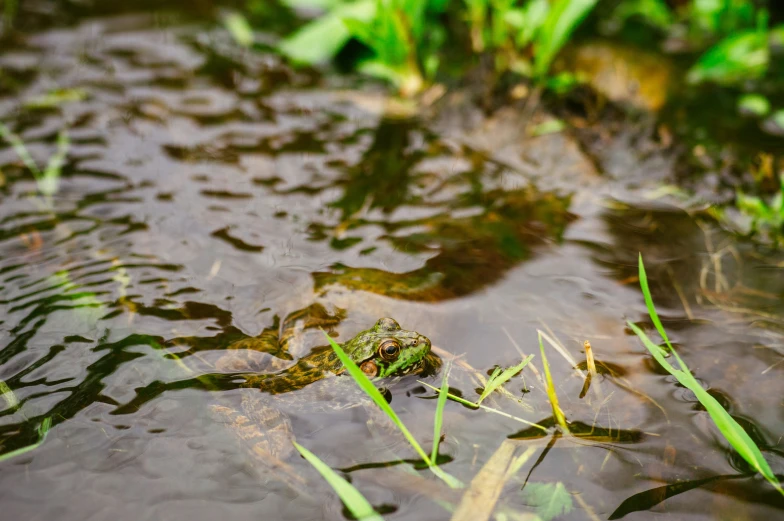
[388, 350]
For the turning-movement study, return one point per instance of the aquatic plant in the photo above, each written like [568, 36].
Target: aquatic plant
[405, 36]
[367, 386]
[355, 502]
[551, 394]
[47, 179]
[729, 428]
[767, 217]
[396, 35]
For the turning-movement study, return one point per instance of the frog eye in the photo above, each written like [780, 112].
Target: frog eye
[389, 349]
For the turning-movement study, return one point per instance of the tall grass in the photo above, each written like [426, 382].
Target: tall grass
[729, 428]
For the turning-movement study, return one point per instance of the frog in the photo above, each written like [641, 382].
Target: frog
[269, 373]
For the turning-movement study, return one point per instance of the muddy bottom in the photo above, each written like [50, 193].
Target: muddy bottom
[209, 192]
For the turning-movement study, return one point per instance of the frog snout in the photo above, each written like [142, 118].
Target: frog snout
[424, 341]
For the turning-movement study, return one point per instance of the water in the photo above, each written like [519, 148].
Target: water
[209, 189]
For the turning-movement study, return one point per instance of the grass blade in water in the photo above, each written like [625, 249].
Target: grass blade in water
[439, 418]
[350, 496]
[497, 380]
[559, 416]
[239, 28]
[366, 385]
[729, 428]
[480, 406]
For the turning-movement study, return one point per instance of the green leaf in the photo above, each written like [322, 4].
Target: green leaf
[735, 59]
[562, 19]
[549, 499]
[8, 395]
[239, 28]
[754, 104]
[321, 39]
[498, 378]
[439, 417]
[729, 428]
[356, 503]
[530, 19]
[55, 98]
[458, 399]
[654, 12]
[550, 126]
[557, 412]
[49, 181]
[366, 385]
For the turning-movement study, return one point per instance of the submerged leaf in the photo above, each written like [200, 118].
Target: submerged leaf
[549, 499]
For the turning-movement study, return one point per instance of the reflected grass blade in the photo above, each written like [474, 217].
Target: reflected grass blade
[729, 428]
[439, 418]
[559, 416]
[8, 395]
[366, 385]
[497, 380]
[350, 496]
[43, 430]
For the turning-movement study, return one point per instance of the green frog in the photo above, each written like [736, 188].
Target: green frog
[269, 376]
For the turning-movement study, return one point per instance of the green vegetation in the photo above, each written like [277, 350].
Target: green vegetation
[767, 217]
[406, 38]
[47, 179]
[557, 412]
[367, 386]
[729, 428]
[356, 503]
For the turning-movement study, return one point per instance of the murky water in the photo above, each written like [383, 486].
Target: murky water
[209, 190]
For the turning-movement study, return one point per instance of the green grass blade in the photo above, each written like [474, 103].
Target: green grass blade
[239, 28]
[729, 428]
[8, 395]
[320, 40]
[487, 390]
[50, 179]
[348, 494]
[439, 418]
[646, 292]
[20, 149]
[559, 416]
[497, 380]
[480, 406]
[43, 430]
[564, 16]
[366, 385]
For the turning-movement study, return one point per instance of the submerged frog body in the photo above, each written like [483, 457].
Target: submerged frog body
[382, 351]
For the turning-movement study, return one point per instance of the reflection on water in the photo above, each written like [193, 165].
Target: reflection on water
[209, 193]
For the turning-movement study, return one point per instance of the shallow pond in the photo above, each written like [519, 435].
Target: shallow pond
[209, 192]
